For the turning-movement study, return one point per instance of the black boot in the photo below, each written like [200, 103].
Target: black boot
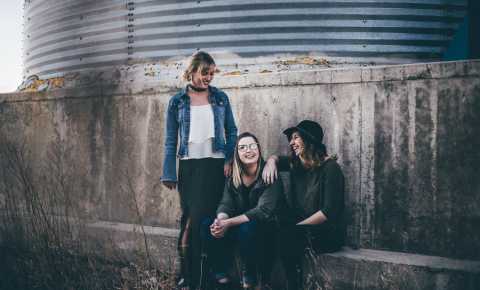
[204, 281]
[184, 281]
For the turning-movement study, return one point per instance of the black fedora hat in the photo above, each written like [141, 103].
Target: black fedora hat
[308, 129]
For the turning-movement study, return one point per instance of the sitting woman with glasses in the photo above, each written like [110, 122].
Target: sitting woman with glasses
[244, 215]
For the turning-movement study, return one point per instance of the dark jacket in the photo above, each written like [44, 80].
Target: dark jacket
[258, 201]
[311, 190]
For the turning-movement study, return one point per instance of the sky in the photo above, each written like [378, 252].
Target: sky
[11, 50]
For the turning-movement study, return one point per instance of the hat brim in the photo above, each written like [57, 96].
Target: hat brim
[289, 131]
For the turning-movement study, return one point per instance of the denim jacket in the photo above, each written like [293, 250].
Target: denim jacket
[178, 126]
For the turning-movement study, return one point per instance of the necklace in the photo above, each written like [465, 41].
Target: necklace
[195, 89]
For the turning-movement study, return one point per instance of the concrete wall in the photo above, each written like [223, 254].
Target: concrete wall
[405, 136]
[426, 174]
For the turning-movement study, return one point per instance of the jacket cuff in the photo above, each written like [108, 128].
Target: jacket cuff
[224, 210]
[255, 214]
[169, 168]
[327, 213]
[228, 155]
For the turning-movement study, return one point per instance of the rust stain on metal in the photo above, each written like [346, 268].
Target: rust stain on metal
[35, 84]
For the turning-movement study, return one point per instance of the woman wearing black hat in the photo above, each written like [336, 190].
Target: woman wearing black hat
[312, 217]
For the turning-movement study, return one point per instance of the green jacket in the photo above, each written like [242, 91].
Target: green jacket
[258, 201]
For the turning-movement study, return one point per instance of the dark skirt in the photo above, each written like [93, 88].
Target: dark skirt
[200, 184]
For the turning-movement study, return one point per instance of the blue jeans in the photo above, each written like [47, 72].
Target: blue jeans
[219, 250]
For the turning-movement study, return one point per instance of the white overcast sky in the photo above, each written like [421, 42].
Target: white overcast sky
[11, 21]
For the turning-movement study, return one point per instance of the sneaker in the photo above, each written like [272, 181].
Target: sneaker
[183, 284]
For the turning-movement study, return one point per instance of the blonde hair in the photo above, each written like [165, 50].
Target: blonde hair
[237, 170]
[199, 61]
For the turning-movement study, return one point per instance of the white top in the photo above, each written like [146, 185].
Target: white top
[201, 124]
[202, 132]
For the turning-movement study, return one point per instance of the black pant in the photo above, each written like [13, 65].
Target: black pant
[254, 243]
[200, 184]
[246, 236]
[296, 241]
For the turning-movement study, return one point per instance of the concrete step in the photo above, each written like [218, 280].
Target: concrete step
[135, 242]
[385, 270]
[349, 269]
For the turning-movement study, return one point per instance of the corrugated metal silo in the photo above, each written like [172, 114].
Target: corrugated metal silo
[68, 35]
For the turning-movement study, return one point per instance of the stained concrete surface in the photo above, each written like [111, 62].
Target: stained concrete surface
[383, 270]
[425, 185]
[405, 136]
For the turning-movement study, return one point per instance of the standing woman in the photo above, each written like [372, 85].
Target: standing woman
[315, 201]
[200, 121]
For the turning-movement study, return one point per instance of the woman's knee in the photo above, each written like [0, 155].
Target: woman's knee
[247, 231]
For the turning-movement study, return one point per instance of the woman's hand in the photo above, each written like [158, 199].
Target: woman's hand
[270, 172]
[227, 169]
[219, 228]
[169, 184]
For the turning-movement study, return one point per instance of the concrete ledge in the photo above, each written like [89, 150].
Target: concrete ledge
[435, 263]
[384, 270]
[133, 80]
[348, 269]
[135, 242]
[134, 228]
[359, 269]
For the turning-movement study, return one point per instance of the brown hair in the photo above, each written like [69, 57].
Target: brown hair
[237, 163]
[312, 156]
[199, 61]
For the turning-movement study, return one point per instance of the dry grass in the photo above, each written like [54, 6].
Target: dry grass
[42, 230]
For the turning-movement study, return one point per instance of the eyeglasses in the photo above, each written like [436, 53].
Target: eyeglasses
[245, 147]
